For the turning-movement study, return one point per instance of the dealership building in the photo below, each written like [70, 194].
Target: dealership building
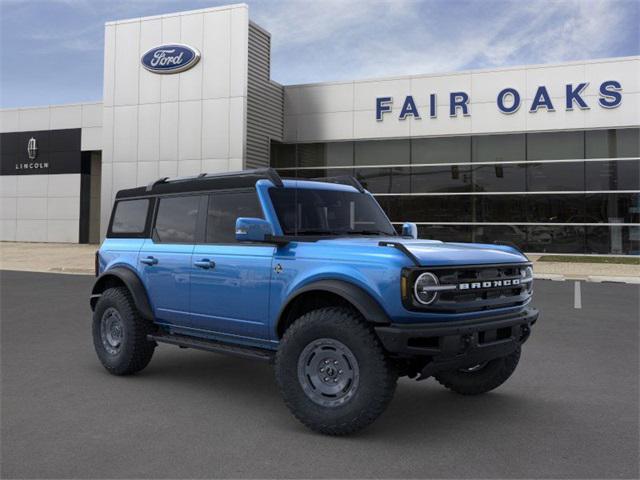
[544, 156]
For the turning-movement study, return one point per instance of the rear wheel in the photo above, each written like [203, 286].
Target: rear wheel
[333, 373]
[120, 333]
[480, 378]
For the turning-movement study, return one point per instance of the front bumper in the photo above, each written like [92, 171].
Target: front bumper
[452, 345]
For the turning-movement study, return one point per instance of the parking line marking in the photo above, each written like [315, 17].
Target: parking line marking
[577, 295]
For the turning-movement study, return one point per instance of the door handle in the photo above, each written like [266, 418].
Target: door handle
[205, 263]
[149, 260]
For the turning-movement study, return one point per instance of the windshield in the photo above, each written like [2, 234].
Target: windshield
[328, 212]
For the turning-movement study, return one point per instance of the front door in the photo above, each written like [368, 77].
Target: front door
[165, 259]
[230, 281]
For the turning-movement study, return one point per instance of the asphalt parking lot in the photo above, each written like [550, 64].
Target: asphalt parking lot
[571, 409]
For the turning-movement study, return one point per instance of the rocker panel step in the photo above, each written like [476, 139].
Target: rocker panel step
[214, 346]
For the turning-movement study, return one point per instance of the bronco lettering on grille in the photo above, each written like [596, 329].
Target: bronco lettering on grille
[511, 282]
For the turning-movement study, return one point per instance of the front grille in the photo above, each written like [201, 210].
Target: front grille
[475, 288]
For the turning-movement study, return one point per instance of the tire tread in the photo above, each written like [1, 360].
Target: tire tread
[140, 350]
[494, 374]
[386, 376]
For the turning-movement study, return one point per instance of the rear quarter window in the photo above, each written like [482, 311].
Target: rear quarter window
[130, 217]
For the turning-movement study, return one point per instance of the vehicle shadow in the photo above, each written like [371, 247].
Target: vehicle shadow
[423, 408]
[428, 408]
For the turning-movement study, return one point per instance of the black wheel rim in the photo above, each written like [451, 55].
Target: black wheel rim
[111, 330]
[328, 372]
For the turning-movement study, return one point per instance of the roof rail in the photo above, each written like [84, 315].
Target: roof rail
[268, 173]
[271, 174]
[342, 180]
[156, 182]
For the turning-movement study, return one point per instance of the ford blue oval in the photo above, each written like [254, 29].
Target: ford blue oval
[172, 58]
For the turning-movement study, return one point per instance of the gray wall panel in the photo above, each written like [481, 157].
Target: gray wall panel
[265, 101]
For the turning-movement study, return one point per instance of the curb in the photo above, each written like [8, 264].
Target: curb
[599, 279]
[65, 270]
[77, 271]
[549, 276]
[587, 278]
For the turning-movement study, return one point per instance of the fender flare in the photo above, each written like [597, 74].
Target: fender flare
[368, 307]
[133, 284]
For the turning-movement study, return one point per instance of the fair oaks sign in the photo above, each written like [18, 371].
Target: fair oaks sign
[508, 100]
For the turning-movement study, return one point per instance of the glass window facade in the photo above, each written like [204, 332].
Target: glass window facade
[385, 180]
[441, 150]
[561, 176]
[555, 145]
[564, 192]
[612, 175]
[499, 148]
[389, 152]
[445, 178]
[498, 177]
[613, 143]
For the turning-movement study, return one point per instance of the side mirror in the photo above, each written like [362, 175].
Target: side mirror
[410, 230]
[252, 229]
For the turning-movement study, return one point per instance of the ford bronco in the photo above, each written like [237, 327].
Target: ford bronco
[312, 277]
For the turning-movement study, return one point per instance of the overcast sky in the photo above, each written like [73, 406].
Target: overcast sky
[51, 50]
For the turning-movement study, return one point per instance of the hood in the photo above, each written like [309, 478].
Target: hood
[431, 253]
[437, 253]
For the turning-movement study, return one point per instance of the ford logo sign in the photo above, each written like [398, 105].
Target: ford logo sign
[172, 58]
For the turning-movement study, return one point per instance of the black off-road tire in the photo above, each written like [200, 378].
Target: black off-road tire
[134, 351]
[483, 380]
[377, 377]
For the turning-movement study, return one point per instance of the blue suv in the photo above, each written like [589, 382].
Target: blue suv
[312, 277]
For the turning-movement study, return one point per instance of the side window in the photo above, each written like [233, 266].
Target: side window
[130, 217]
[176, 219]
[224, 209]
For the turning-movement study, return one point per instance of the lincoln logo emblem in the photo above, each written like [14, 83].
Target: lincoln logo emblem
[32, 148]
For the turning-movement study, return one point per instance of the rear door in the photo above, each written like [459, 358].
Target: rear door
[165, 258]
[230, 281]
[128, 228]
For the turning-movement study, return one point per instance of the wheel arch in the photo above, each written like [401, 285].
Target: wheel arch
[123, 277]
[329, 293]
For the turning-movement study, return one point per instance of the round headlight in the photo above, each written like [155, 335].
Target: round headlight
[423, 288]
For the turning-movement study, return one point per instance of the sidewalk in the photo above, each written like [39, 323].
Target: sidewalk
[593, 272]
[79, 259]
[47, 257]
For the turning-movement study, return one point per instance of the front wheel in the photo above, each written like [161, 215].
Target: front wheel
[480, 378]
[333, 373]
